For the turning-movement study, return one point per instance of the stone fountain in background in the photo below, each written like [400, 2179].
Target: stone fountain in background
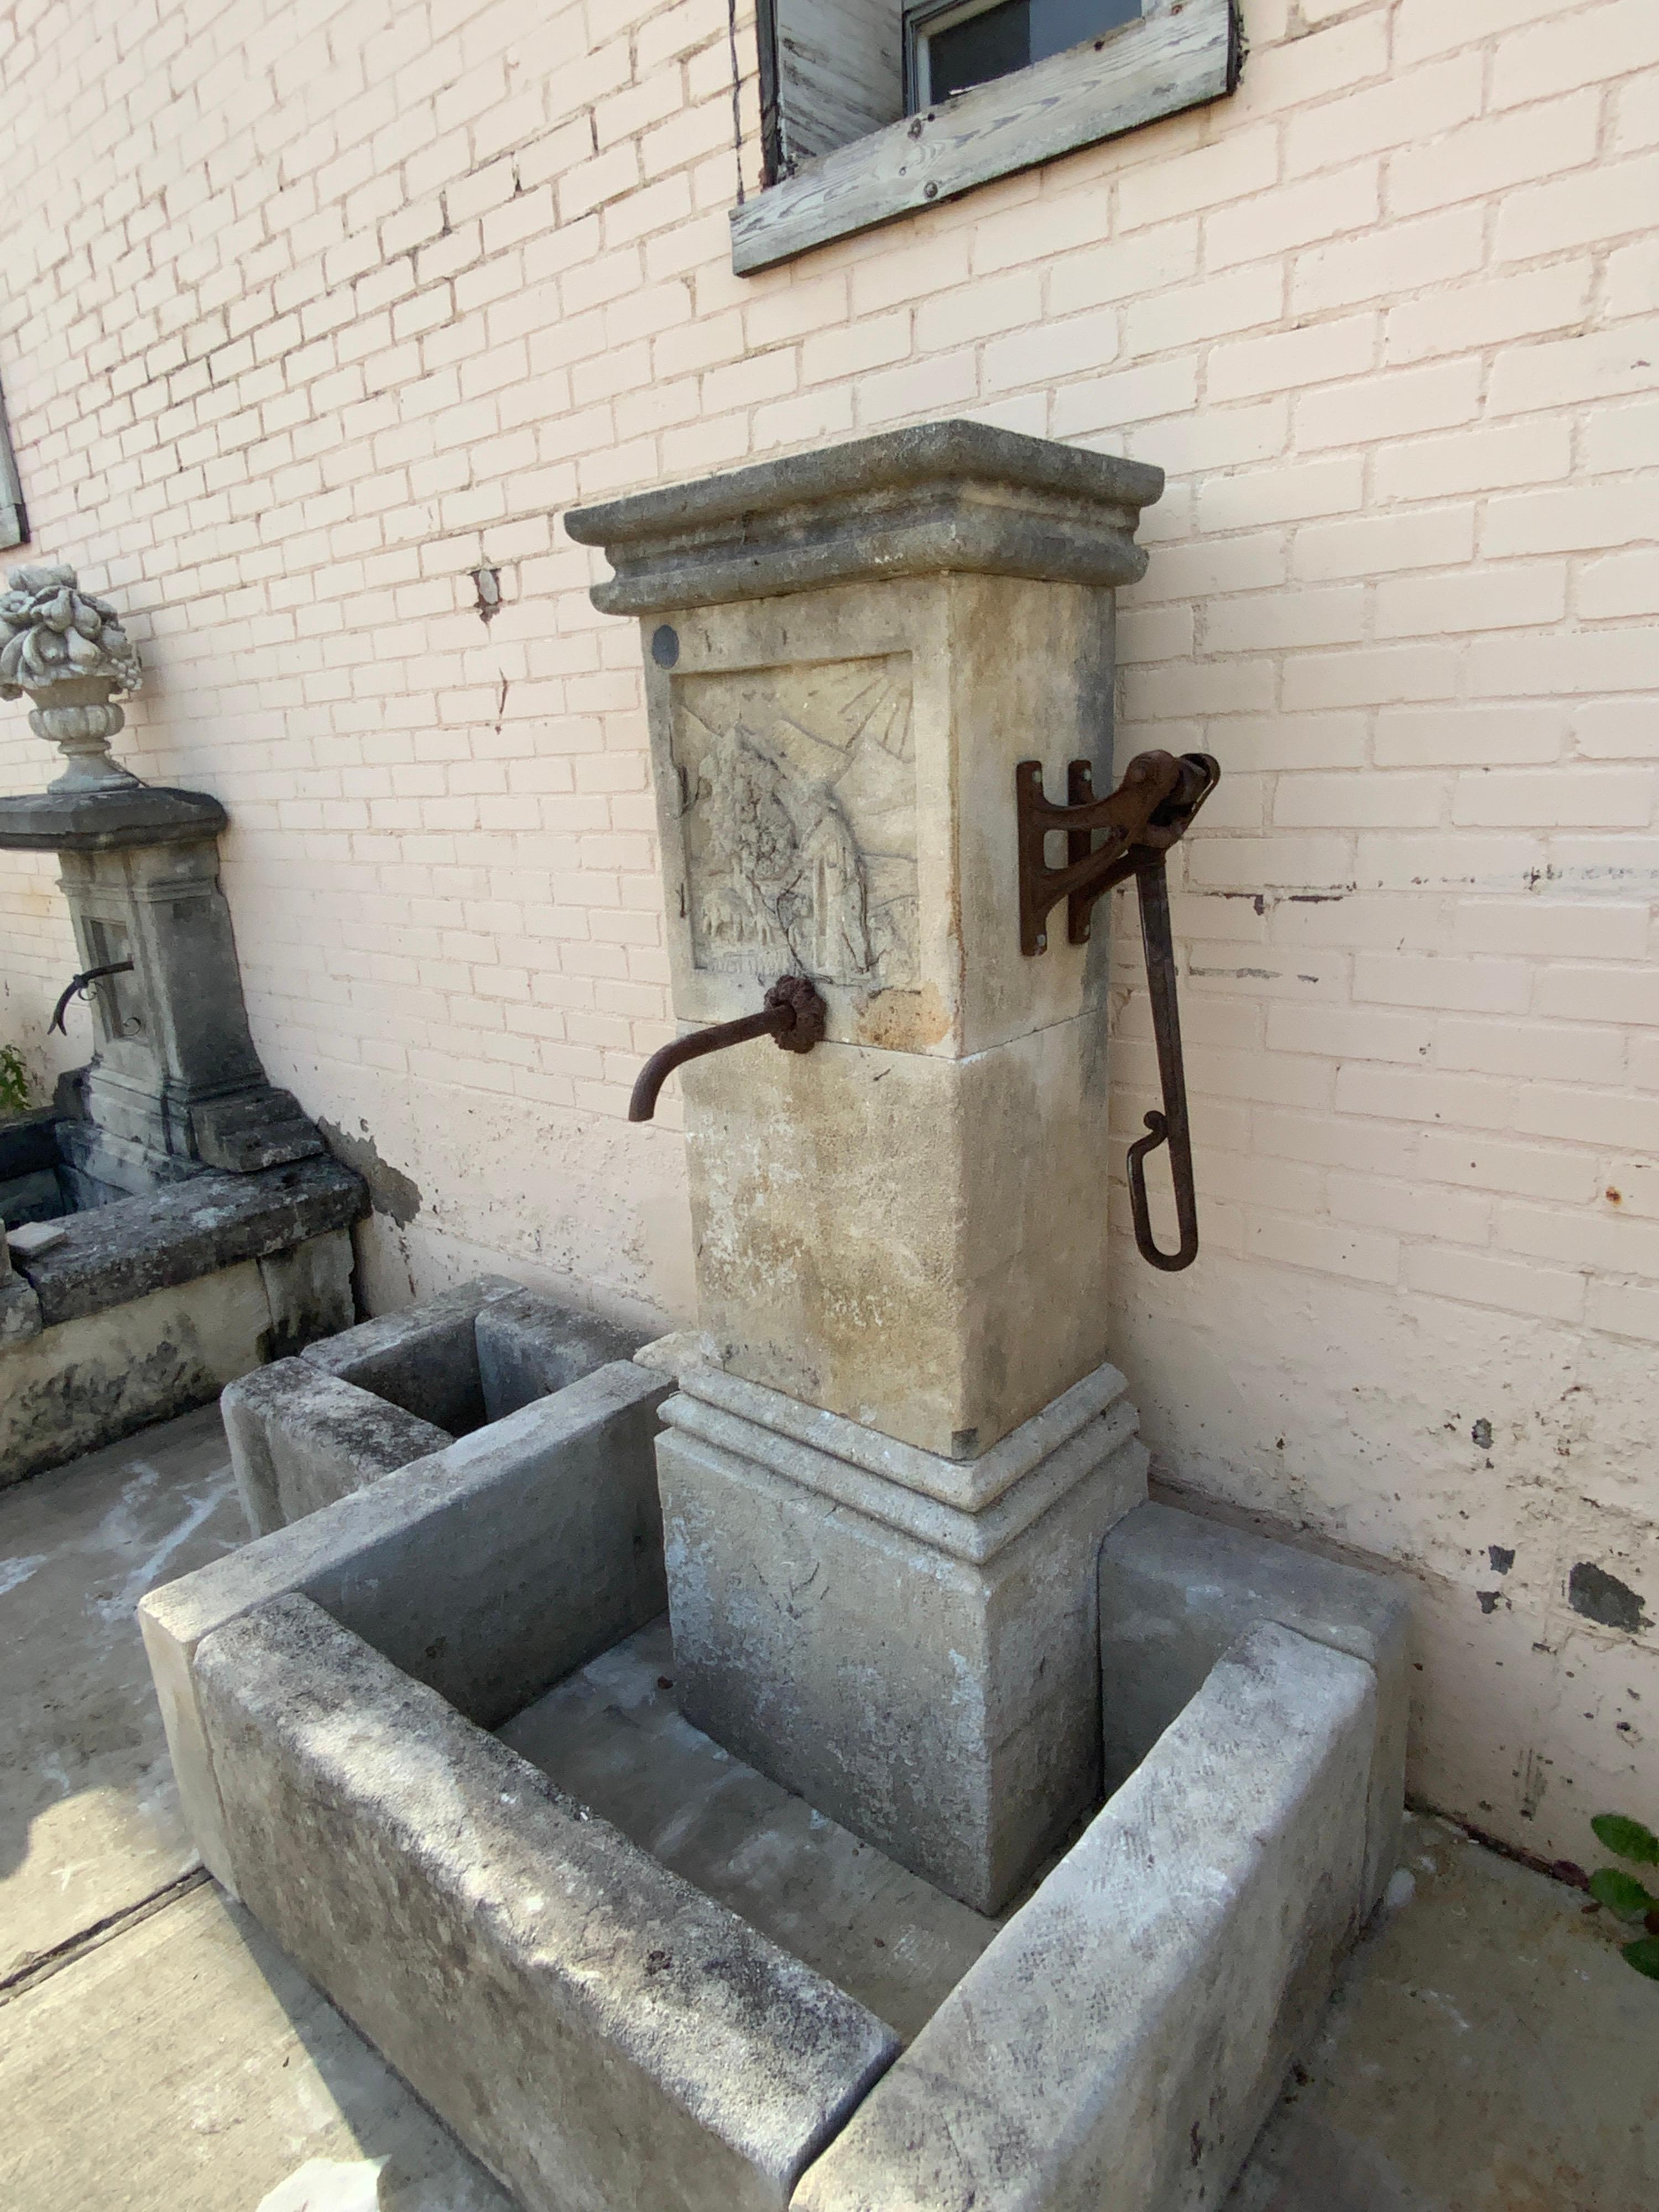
[176, 1087]
[973, 1832]
[173, 1214]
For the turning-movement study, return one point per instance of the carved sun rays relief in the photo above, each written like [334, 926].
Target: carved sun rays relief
[798, 820]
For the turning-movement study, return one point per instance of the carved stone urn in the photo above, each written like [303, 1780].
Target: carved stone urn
[69, 653]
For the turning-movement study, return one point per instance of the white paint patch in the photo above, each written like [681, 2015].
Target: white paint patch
[1402, 1887]
[119, 1607]
[14, 1573]
[328, 2185]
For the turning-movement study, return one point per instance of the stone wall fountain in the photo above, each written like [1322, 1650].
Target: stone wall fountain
[972, 1832]
[169, 1161]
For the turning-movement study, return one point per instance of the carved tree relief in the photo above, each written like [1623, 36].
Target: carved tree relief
[798, 798]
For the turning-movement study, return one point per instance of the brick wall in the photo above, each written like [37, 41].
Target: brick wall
[312, 308]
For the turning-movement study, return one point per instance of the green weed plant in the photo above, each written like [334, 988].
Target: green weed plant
[14, 1081]
[1622, 1894]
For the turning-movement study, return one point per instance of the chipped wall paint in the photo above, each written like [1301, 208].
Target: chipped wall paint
[391, 1191]
[1340, 1416]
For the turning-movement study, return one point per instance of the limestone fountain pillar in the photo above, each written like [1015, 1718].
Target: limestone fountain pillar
[886, 1490]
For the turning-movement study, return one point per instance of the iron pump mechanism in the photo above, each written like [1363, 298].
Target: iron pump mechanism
[1150, 811]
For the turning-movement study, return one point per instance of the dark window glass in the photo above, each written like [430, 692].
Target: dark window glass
[1011, 36]
[988, 46]
[1057, 24]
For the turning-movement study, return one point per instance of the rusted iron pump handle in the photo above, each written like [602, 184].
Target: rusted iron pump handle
[794, 1013]
[1171, 1127]
[1151, 809]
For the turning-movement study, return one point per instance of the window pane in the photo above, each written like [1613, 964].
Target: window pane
[1057, 24]
[994, 42]
[988, 46]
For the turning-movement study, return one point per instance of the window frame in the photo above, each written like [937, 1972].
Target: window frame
[14, 515]
[1177, 54]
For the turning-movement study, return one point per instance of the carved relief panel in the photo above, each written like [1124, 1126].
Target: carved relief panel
[798, 797]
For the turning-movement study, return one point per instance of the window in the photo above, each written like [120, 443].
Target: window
[13, 523]
[951, 45]
[875, 109]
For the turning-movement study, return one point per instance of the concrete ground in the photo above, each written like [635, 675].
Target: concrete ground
[1487, 2051]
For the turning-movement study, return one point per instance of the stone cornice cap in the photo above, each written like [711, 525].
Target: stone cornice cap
[101, 821]
[942, 496]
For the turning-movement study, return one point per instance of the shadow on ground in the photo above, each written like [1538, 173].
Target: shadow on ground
[90, 1820]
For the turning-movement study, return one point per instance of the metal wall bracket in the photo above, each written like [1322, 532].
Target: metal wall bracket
[1151, 809]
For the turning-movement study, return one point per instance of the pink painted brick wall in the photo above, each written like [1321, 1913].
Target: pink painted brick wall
[311, 308]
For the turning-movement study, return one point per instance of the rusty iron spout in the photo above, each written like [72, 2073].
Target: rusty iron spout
[794, 1014]
[78, 987]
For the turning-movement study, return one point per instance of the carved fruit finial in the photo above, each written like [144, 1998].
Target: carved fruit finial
[52, 633]
[69, 653]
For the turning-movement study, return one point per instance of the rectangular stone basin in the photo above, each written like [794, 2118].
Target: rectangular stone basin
[362, 1403]
[139, 1309]
[428, 1734]
[35, 1173]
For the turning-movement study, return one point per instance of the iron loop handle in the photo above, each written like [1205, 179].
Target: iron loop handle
[1171, 1125]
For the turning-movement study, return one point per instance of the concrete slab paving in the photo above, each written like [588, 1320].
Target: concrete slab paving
[1487, 2050]
[185, 2066]
[90, 1819]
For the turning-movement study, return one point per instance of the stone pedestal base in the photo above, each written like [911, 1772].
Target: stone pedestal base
[910, 1641]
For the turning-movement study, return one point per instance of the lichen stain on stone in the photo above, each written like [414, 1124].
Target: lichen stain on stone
[391, 1191]
[1601, 1598]
[903, 1021]
[89, 1402]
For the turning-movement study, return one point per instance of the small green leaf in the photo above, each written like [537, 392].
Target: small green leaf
[1626, 1839]
[1644, 1955]
[1622, 1893]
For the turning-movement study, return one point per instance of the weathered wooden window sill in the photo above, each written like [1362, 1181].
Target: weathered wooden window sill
[1180, 54]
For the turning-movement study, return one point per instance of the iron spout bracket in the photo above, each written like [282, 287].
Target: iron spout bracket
[1151, 809]
[793, 1015]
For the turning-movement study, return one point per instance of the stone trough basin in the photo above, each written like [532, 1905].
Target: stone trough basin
[113, 1316]
[358, 1404]
[428, 1733]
